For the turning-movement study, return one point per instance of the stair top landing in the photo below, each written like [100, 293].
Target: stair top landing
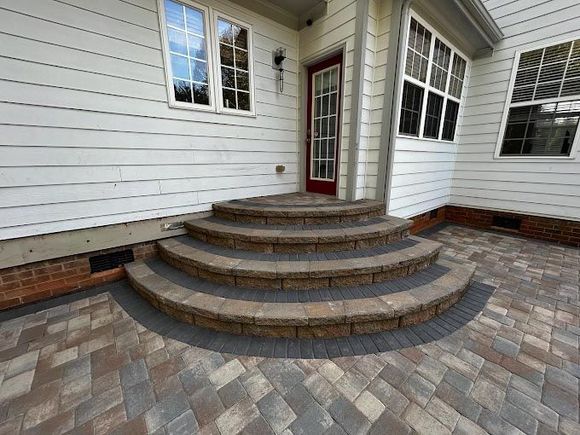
[301, 205]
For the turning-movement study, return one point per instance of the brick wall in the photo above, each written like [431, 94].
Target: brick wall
[44, 279]
[543, 228]
[426, 220]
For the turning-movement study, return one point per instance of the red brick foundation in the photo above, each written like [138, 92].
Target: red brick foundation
[427, 220]
[543, 228]
[45, 279]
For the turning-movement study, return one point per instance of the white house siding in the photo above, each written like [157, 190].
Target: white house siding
[334, 30]
[423, 169]
[368, 74]
[539, 187]
[86, 135]
[382, 28]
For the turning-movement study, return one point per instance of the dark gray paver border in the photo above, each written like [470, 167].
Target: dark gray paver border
[453, 319]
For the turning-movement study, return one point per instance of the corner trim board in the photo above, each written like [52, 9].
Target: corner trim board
[360, 39]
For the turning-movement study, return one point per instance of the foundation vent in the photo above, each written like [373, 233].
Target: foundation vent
[100, 263]
[507, 223]
[433, 213]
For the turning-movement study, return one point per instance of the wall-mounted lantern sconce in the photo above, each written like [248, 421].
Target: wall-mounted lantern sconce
[278, 57]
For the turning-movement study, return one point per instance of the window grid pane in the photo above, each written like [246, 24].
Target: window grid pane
[433, 116]
[418, 51]
[411, 108]
[457, 76]
[440, 66]
[450, 120]
[187, 53]
[427, 53]
[234, 65]
[542, 129]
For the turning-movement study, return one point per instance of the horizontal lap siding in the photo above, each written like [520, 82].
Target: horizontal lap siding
[335, 28]
[529, 186]
[87, 138]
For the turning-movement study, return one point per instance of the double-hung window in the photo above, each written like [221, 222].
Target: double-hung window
[543, 105]
[202, 75]
[432, 86]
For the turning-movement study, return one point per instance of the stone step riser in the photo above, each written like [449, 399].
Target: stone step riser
[297, 247]
[363, 320]
[293, 280]
[295, 220]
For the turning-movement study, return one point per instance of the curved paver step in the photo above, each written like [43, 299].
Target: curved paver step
[296, 271]
[299, 238]
[292, 214]
[301, 319]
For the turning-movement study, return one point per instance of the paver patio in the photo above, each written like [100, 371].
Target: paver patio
[88, 367]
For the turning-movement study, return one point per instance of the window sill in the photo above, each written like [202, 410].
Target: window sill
[211, 109]
[425, 139]
[535, 158]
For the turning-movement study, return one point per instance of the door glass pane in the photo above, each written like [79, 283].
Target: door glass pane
[323, 148]
[324, 122]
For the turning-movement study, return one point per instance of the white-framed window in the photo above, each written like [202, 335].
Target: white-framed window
[542, 110]
[432, 85]
[202, 75]
[234, 48]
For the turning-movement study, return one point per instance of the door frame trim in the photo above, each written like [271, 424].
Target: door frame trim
[334, 62]
[307, 62]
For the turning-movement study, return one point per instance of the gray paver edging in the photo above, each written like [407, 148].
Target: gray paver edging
[442, 325]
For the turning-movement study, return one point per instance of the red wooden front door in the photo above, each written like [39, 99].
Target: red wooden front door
[322, 134]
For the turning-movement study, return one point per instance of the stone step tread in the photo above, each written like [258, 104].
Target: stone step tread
[396, 285]
[324, 233]
[311, 265]
[344, 208]
[381, 308]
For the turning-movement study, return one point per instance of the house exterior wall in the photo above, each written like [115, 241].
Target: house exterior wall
[536, 186]
[423, 168]
[87, 137]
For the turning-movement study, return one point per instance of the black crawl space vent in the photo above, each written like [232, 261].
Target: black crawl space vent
[99, 263]
[507, 223]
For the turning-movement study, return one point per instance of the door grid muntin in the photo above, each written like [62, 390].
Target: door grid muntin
[325, 94]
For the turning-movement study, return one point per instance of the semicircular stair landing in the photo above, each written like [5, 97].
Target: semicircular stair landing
[300, 265]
